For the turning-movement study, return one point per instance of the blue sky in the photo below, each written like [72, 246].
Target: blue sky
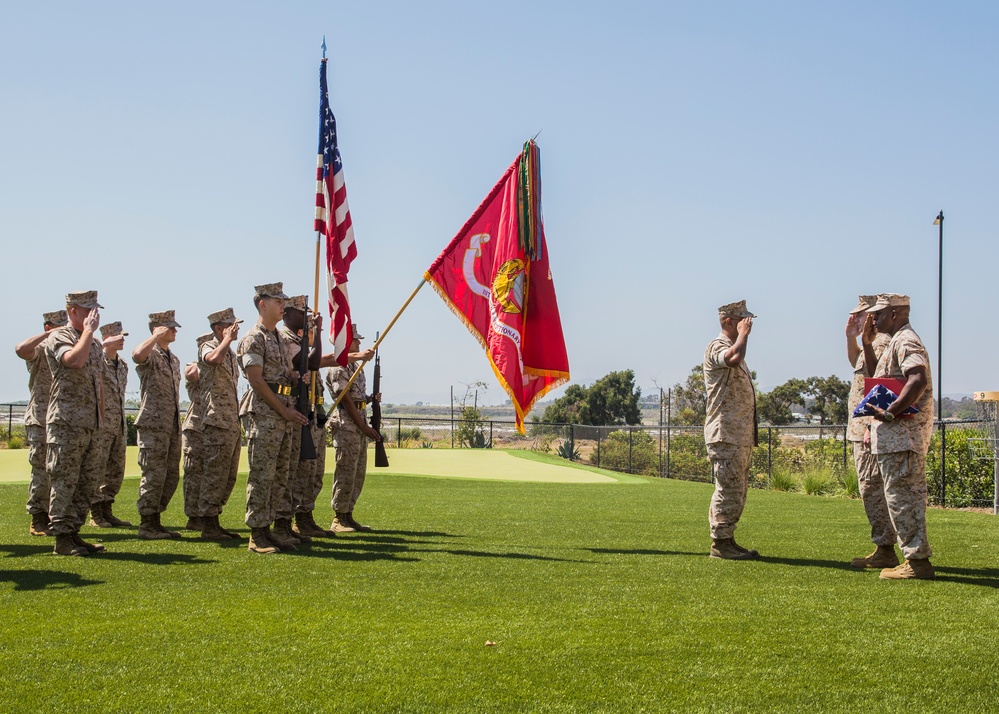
[792, 154]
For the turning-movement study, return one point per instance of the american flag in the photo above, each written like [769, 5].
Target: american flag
[333, 221]
[882, 398]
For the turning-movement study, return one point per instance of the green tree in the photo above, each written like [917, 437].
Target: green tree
[690, 399]
[774, 407]
[610, 401]
[830, 396]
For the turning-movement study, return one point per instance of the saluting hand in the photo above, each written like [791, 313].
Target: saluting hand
[870, 330]
[92, 321]
[115, 342]
[854, 326]
[745, 326]
[231, 332]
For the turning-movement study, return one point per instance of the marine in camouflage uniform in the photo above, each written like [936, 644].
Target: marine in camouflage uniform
[302, 473]
[351, 431]
[191, 446]
[32, 351]
[872, 493]
[73, 418]
[901, 444]
[729, 428]
[113, 434]
[219, 422]
[269, 417]
[158, 423]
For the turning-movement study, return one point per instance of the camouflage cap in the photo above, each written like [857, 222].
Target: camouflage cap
[59, 318]
[735, 309]
[357, 333]
[112, 329]
[298, 302]
[164, 319]
[223, 317]
[84, 298]
[889, 300]
[271, 290]
[864, 303]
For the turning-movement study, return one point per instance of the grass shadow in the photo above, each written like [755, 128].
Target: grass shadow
[640, 551]
[154, 558]
[983, 577]
[20, 550]
[45, 579]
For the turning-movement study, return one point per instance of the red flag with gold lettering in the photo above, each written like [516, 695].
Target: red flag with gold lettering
[495, 276]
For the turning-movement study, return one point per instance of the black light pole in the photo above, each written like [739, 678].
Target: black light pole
[943, 429]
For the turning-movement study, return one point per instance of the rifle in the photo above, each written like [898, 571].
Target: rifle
[304, 404]
[381, 458]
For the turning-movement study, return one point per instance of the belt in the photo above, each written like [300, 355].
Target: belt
[283, 390]
[360, 406]
[319, 401]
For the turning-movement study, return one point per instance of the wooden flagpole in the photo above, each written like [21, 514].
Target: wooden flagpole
[315, 311]
[378, 341]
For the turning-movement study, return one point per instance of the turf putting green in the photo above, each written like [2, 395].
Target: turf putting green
[494, 465]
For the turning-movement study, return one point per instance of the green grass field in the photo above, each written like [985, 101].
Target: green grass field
[598, 597]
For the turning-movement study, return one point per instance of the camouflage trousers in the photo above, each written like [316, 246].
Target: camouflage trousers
[194, 470]
[159, 459]
[307, 483]
[730, 469]
[904, 474]
[221, 465]
[112, 446]
[268, 448]
[38, 488]
[74, 467]
[872, 493]
[351, 466]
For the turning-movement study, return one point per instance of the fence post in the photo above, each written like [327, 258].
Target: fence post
[490, 433]
[943, 463]
[10, 421]
[398, 434]
[770, 447]
[669, 434]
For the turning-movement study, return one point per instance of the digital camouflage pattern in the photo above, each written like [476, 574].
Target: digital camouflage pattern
[38, 488]
[904, 352]
[159, 460]
[858, 425]
[191, 447]
[731, 397]
[307, 481]
[75, 395]
[220, 466]
[336, 380]
[73, 463]
[268, 446]
[730, 469]
[872, 494]
[904, 474]
[159, 388]
[263, 348]
[112, 437]
[219, 388]
[39, 385]
[351, 467]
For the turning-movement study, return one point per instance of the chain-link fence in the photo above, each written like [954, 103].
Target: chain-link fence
[808, 457]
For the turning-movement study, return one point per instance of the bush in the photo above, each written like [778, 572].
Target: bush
[131, 435]
[567, 450]
[849, 483]
[969, 479]
[817, 483]
[470, 429]
[615, 449]
[782, 479]
[410, 433]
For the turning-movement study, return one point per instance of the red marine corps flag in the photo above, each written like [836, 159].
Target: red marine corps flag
[494, 275]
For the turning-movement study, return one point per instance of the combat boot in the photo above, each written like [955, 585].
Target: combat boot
[724, 548]
[39, 524]
[159, 525]
[212, 530]
[64, 545]
[260, 543]
[341, 524]
[882, 557]
[753, 554]
[279, 539]
[917, 568]
[284, 525]
[92, 548]
[304, 525]
[194, 523]
[354, 524]
[232, 534]
[97, 517]
[149, 529]
[112, 519]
